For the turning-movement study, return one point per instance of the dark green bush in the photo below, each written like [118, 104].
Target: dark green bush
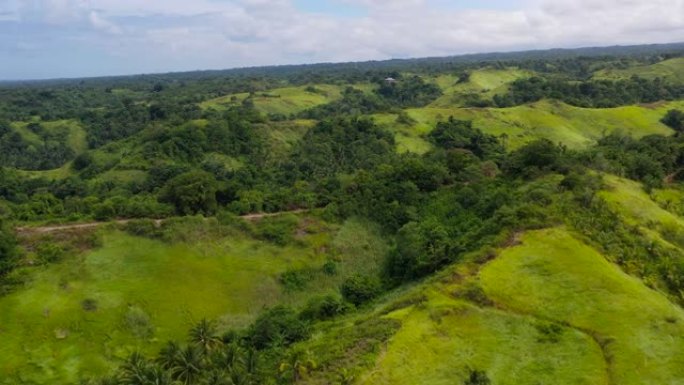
[323, 308]
[277, 326]
[359, 289]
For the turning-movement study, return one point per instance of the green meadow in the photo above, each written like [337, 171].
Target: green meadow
[555, 277]
[672, 70]
[485, 82]
[285, 101]
[441, 340]
[82, 315]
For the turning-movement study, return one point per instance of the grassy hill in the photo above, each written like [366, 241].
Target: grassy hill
[672, 70]
[285, 101]
[485, 82]
[144, 292]
[550, 309]
[574, 127]
[555, 277]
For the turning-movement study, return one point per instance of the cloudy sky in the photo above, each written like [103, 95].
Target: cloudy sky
[73, 38]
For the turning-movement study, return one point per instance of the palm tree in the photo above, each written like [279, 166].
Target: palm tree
[168, 355]
[240, 377]
[134, 369]
[188, 366]
[216, 377]
[204, 335]
[228, 358]
[156, 375]
[298, 365]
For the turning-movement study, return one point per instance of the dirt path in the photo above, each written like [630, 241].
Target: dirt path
[158, 222]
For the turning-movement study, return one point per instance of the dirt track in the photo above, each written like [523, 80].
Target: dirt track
[89, 225]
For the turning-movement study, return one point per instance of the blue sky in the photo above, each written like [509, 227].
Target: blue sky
[73, 38]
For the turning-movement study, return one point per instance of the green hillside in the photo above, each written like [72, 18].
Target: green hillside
[555, 277]
[144, 292]
[503, 219]
[484, 82]
[561, 123]
[285, 101]
[671, 70]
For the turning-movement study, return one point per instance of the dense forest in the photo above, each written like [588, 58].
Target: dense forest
[167, 153]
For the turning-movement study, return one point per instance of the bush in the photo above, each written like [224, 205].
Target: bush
[193, 192]
[323, 308]
[89, 304]
[675, 120]
[330, 267]
[477, 377]
[138, 322]
[298, 279]
[360, 289]
[143, 228]
[279, 230]
[49, 252]
[277, 326]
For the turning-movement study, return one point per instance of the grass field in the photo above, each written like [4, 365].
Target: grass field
[672, 70]
[442, 340]
[636, 206]
[573, 126]
[484, 82]
[561, 123]
[147, 292]
[554, 276]
[286, 101]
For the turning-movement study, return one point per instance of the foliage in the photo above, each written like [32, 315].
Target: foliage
[675, 120]
[277, 326]
[192, 193]
[360, 289]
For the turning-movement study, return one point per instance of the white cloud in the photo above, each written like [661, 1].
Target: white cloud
[182, 34]
[103, 25]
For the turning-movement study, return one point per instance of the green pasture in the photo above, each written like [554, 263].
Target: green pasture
[286, 101]
[671, 70]
[147, 292]
[553, 276]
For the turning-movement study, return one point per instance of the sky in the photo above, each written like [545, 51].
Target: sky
[79, 38]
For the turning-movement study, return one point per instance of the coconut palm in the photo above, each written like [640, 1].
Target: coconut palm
[155, 375]
[298, 365]
[188, 367]
[133, 370]
[231, 356]
[204, 335]
[168, 355]
[216, 377]
[240, 377]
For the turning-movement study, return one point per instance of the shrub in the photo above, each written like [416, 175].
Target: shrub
[322, 308]
[277, 326]
[193, 192]
[360, 289]
[49, 252]
[477, 377]
[472, 292]
[138, 322]
[330, 267]
[89, 304]
[143, 228]
[674, 119]
[279, 230]
[298, 279]
[549, 332]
